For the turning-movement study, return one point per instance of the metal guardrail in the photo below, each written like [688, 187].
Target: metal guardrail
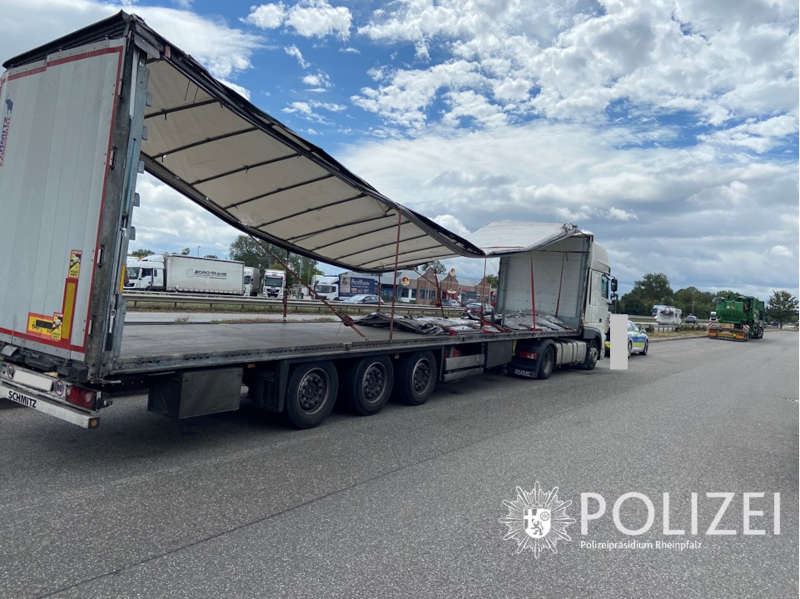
[155, 300]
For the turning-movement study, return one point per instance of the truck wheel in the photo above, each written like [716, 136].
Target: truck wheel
[546, 364]
[416, 378]
[368, 385]
[311, 393]
[592, 355]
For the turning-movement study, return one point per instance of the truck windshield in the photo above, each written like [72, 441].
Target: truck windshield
[273, 282]
[325, 289]
[133, 272]
[248, 279]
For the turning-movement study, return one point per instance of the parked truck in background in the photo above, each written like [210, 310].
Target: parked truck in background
[273, 283]
[65, 349]
[354, 284]
[188, 274]
[326, 286]
[739, 317]
[252, 281]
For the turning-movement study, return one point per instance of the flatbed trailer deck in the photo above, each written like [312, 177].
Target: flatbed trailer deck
[158, 347]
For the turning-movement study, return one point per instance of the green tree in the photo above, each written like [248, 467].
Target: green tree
[211, 256]
[493, 281]
[651, 289]
[142, 253]
[782, 307]
[186, 251]
[693, 301]
[436, 265]
[254, 253]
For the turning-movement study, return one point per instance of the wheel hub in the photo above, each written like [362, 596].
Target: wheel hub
[374, 382]
[421, 376]
[313, 390]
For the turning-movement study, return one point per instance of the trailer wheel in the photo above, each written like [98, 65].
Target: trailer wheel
[546, 363]
[311, 393]
[367, 386]
[592, 355]
[416, 378]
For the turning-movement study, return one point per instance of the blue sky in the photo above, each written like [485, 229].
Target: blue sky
[668, 129]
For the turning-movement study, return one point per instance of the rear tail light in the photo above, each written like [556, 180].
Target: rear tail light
[528, 355]
[83, 398]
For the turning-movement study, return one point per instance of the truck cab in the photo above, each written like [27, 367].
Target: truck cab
[273, 283]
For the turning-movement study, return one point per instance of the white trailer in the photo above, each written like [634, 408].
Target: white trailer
[186, 274]
[252, 280]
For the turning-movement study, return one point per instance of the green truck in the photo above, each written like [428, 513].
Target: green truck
[739, 317]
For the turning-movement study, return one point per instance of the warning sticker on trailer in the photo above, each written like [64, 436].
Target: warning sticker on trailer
[74, 264]
[58, 327]
[46, 326]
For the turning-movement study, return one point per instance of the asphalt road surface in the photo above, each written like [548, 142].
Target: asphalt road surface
[407, 503]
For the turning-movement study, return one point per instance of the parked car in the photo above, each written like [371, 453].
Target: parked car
[637, 341]
[363, 298]
[473, 310]
[691, 319]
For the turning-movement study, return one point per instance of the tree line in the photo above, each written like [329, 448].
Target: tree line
[654, 288]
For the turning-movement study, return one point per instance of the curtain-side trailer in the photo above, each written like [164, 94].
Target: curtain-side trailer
[92, 109]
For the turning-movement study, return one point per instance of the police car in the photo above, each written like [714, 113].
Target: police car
[637, 341]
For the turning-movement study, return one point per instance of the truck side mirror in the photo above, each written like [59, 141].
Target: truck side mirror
[613, 287]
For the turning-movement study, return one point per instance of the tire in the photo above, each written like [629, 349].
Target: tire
[367, 385]
[646, 344]
[630, 348]
[547, 363]
[592, 355]
[311, 393]
[415, 378]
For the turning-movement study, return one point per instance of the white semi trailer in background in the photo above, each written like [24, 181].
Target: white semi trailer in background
[186, 274]
[85, 100]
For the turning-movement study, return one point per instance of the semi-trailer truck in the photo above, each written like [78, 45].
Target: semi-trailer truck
[186, 274]
[116, 97]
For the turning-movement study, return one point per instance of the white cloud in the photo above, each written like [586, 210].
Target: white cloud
[309, 18]
[267, 16]
[573, 60]
[242, 91]
[780, 250]
[295, 51]
[306, 110]
[758, 136]
[320, 80]
[405, 97]
[704, 216]
[167, 221]
[224, 50]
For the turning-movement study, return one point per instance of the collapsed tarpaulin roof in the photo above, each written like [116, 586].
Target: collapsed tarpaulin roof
[217, 148]
[509, 237]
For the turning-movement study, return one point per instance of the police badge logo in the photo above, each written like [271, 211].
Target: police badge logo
[537, 520]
